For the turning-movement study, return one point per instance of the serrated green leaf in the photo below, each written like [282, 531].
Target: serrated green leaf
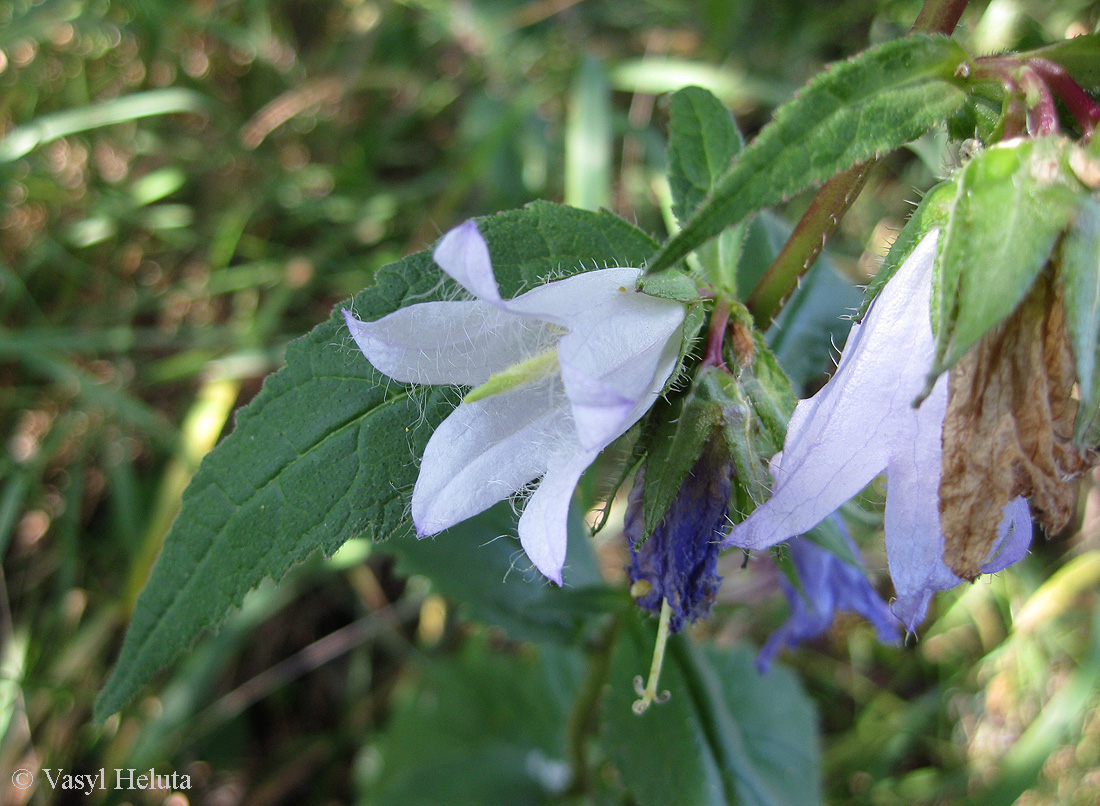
[1011, 203]
[327, 450]
[486, 727]
[1081, 277]
[703, 140]
[857, 109]
[727, 734]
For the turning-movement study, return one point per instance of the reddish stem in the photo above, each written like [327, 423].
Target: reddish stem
[716, 336]
[1084, 110]
[1042, 116]
[941, 17]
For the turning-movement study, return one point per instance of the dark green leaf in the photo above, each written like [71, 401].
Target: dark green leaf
[857, 109]
[1011, 203]
[727, 735]
[483, 728]
[703, 140]
[327, 450]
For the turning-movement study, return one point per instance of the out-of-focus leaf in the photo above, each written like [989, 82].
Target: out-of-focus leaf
[727, 735]
[480, 565]
[814, 324]
[327, 448]
[857, 109]
[480, 728]
[21, 140]
[588, 139]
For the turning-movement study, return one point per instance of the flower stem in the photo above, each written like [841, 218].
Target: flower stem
[1084, 110]
[939, 16]
[832, 201]
[649, 695]
[582, 718]
[805, 243]
[716, 336]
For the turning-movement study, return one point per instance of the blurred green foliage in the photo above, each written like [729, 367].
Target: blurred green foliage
[186, 186]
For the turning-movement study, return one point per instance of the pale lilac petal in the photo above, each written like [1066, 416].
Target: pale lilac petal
[840, 439]
[576, 297]
[914, 543]
[487, 450]
[543, 527]
[598, 410]
[464, 255]
[460, 343]
[615, 353]
[1013, 537]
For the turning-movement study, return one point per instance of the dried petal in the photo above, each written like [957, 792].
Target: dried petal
[1008, 431]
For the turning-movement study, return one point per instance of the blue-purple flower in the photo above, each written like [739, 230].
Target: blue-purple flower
[558, 372]
[828, 585]
[678, 563]
[864, 422]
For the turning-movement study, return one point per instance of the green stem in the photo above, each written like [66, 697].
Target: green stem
[582, 719]
[832, 201]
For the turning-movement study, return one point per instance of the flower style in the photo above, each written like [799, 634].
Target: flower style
[828, 585]
[863, 422]
[559, 373]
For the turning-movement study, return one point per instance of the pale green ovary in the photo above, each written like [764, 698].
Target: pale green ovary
[532, 369]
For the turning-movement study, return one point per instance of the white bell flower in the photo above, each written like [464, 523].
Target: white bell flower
[558, 373]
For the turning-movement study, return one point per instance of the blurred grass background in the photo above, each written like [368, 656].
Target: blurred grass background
[187, 186]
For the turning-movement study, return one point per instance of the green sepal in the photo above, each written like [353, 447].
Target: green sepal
[757, 401]
[681, 429]
[670, 284]
[1010, 206]
[1080, 273]
[980, 116]
[932, 212]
